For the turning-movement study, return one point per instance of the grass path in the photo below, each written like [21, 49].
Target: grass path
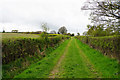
[57, 66]
[88, 63]
[73, 59]
[74, 64]
[42, 68]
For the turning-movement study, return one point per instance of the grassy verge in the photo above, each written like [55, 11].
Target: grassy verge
[105, 65]
[42, 68]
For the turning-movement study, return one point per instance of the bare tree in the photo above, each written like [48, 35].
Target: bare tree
[44, 27]
[104, 12]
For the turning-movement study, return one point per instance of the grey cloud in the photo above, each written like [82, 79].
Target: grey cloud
[56, 13]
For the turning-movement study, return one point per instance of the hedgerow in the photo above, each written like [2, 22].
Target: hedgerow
[22, 47]
[108, 45]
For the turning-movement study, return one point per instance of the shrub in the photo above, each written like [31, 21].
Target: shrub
[3, 31]
[14, 49]
[109, 45]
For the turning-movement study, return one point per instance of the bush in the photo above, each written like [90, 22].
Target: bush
[72, 34]
[109, 45]
[3, 31]
[14, 49]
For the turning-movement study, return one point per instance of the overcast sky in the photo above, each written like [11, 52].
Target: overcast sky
[27, 15]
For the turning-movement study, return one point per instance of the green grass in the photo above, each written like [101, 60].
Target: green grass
[105, 65]
[75, 64]
[16, 67]
[42, 68]
[54, 34]
[17, 35]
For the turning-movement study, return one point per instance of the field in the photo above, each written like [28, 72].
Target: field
[17, 35]
[58, 56]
